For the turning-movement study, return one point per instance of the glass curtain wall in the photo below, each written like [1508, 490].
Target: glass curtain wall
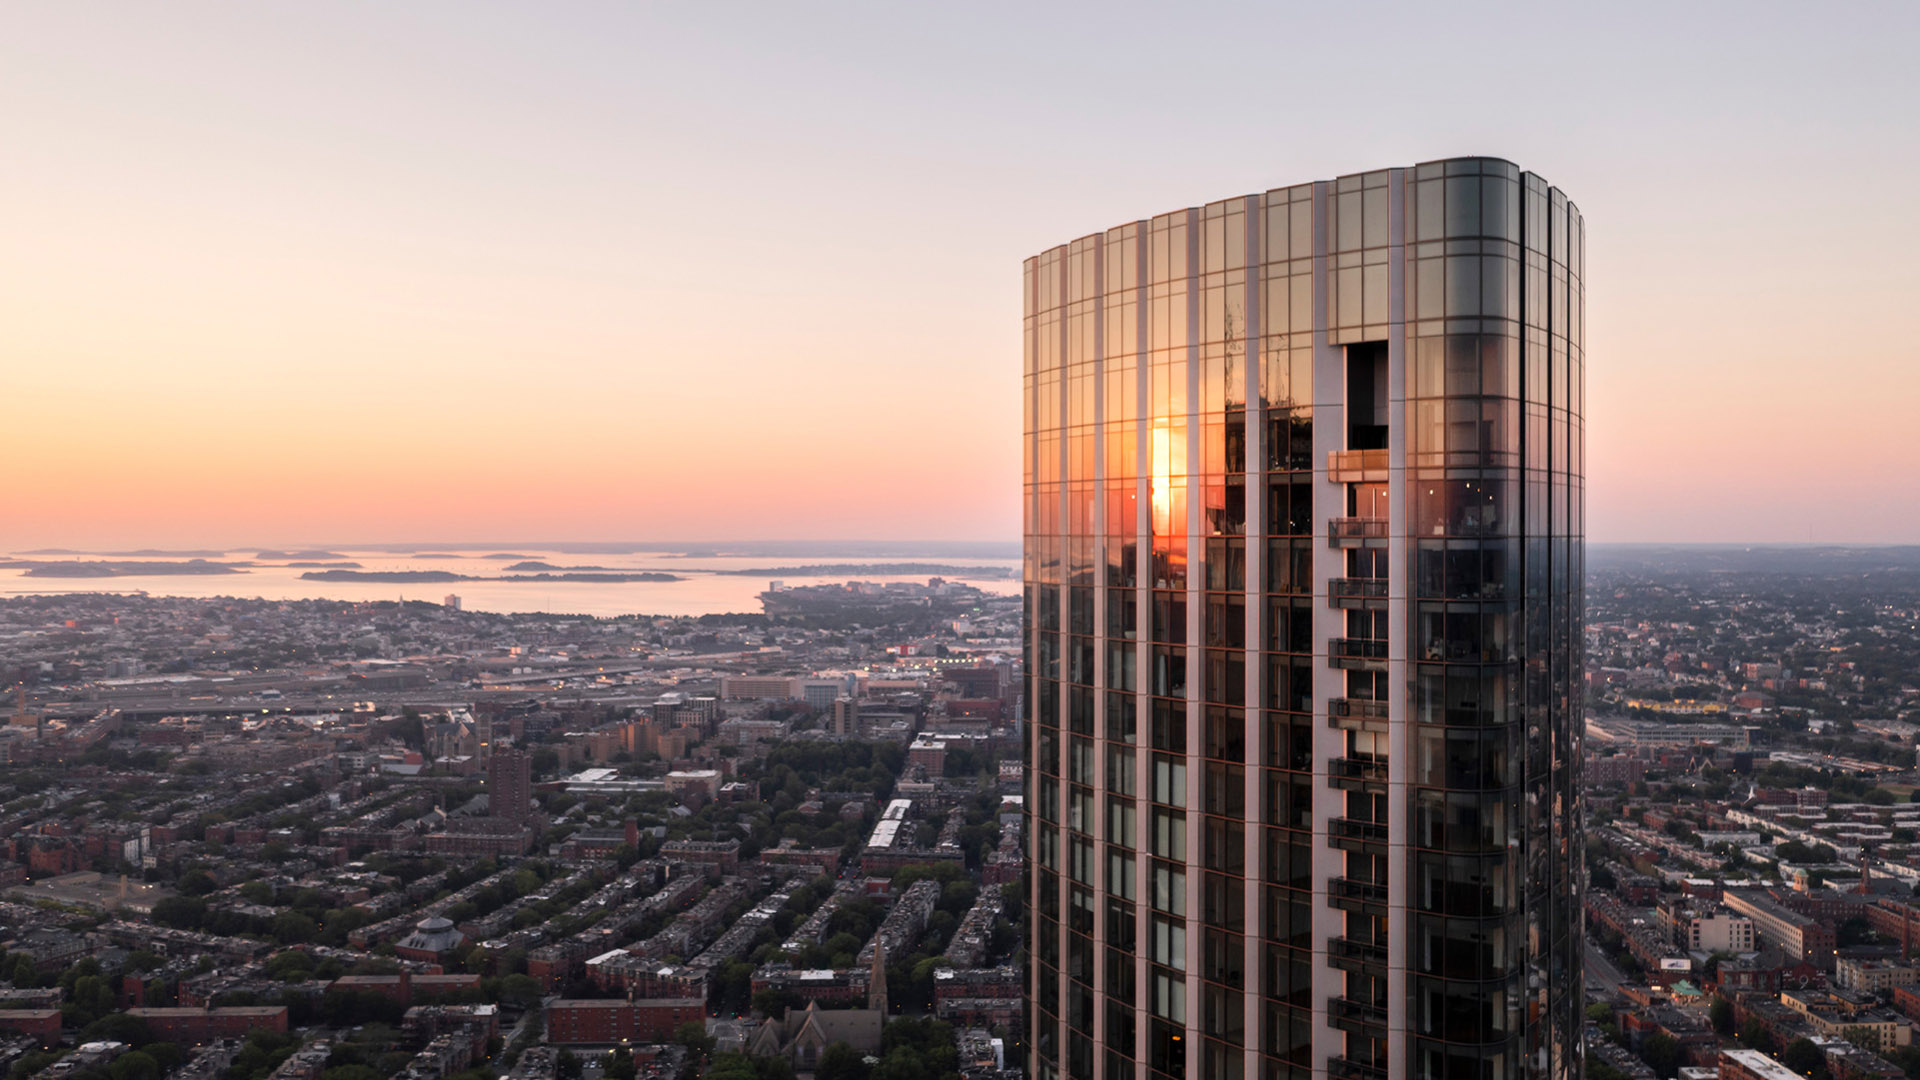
[1183, 784]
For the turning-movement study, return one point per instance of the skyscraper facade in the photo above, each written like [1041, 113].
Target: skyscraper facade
[1303, 582]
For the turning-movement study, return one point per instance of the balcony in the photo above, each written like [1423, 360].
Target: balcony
[1353, 834]
[1358, 774]
[1357, 592]
[1356, 531]
[1341, 1068]
[1352, 954]
[1367, 653]
[1352, 894]
[1355, 711]
[1357, 466]
[1352, 1014]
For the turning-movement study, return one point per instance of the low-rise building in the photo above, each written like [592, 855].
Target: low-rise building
[1872, 976]
[595, 1022]
[188, 1026]
[1753, 1065]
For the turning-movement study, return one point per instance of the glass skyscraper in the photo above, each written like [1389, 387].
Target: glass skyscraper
[1303, 583]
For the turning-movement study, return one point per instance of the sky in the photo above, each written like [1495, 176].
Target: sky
[279, 273]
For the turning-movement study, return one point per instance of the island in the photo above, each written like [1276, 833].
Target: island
[614, 578]
[400, 577]
[118, 568]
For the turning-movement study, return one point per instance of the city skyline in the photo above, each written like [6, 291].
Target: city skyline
[279, 277]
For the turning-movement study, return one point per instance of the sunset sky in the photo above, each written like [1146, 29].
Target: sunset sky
[334, 272]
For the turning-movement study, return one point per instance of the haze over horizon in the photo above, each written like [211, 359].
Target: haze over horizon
[604, 271]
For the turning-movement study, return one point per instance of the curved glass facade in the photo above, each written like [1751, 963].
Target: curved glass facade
[1303, 516]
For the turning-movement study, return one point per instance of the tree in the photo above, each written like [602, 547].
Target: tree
[91, 999]
[292, 965]
[1907, 1058]
[1757, 1037]
[293, 928]
[1804, 1058]
[521, 990]
[731, 1067]
[33, 1063]
[22, 972]
[180, 912]
[1721, 1014]
[165, 1054]
[693, 1035]
[568, 1065]
[840, 1062]
[137, 1065]
[1596, 1070]
[1661, 1053]
[118, 1027]
[197, 883]
[774, 1003]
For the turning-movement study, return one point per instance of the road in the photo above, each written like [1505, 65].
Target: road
[1601, 974]
[498, 1061]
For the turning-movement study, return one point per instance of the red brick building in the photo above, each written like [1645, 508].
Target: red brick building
[601, 843]
[1897, 919]
[989, 709]
[407, 988]
[577, 1021]
[188, 1026]
[724, 854]
[42, 1024]
[790, 854]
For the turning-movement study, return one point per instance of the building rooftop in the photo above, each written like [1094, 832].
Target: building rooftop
[1760, 1065]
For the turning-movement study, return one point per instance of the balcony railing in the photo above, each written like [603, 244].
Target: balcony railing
[1347, 768]
[1365, 588]
[1366, 892]
[1348, 708]
[1357, 466]
[1341, 1068]
[1357, 652]
[1367, 952]
[1372, 832]
[1359, 648]
[1353, 530]
[1356, 1011]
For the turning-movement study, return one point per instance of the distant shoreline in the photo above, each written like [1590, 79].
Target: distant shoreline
[883, 569]
[105, 569]
[418, 577]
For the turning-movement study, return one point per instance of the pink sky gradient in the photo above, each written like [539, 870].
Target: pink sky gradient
[341, 273]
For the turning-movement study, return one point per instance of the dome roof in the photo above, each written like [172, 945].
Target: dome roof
[434, 935]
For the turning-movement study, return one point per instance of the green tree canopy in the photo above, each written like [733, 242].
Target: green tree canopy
[136, 1065]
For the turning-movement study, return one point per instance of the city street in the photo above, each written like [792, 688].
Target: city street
[1601, 974]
